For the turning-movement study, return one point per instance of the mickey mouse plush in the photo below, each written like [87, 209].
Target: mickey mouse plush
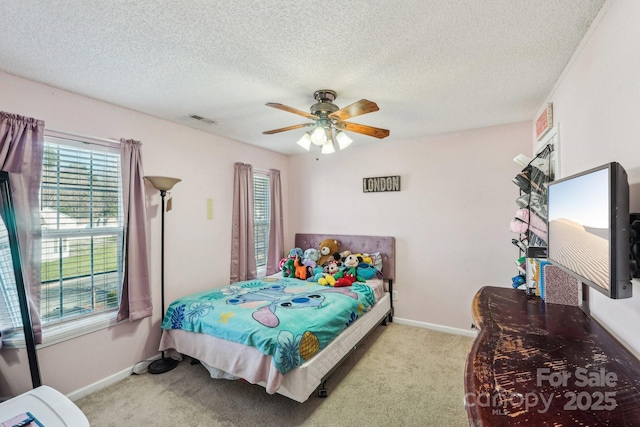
[331, 270]
[350, 273]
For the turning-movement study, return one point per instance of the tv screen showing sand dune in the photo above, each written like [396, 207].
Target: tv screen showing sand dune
[580, 250]
[579, 226]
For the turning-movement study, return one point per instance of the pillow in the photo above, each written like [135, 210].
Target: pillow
[377, 260]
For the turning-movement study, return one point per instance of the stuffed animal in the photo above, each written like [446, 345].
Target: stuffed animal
[310, 257]
[316, 274]
[328, 251]
[331, 269]
[365, 258]
[288, 268]
[349, 274]
[352, 260]
[367, 271]
[344, 255]
[300, 269]
[327, 280]
[286, 264]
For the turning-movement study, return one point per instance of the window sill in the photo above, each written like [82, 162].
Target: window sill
[66, 331]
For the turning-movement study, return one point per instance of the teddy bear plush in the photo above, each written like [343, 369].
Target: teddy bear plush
[328, 251]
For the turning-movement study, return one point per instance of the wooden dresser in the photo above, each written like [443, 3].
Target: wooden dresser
[537, 364]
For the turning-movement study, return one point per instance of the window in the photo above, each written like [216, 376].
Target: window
[82, 241]
[82, 230]
[261, 218]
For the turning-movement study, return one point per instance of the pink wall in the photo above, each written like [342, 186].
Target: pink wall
[596, 106]
[197, 249]
[451, 219]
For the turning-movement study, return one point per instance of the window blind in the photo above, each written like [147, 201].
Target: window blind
[82, 230]
[261, 214]
[10, 319]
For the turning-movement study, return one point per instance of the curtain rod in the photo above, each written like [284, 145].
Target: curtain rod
[81, 138]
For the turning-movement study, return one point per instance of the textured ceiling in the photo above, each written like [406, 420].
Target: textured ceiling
[432, 66]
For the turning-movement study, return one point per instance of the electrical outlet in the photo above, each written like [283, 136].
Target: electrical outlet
[394, 295]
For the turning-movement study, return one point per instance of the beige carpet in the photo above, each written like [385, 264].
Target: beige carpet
[399, 376]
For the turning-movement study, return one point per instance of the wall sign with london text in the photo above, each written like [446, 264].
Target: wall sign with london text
[381, 183]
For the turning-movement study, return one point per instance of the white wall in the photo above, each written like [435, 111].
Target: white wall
[197, 249]
[451, 219]
[596, 104]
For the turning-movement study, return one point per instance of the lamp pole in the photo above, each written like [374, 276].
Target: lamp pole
[164, 364]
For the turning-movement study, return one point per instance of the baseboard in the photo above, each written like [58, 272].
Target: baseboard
[105, 382]
[439, 328]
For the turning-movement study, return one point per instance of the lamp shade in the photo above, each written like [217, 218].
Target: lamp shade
[343, 140]
[305, 141]
[162, 183]
[327, 148]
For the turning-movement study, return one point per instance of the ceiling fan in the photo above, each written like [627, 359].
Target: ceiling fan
[326, 118]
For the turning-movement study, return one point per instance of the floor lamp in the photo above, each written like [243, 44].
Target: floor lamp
[164, 184]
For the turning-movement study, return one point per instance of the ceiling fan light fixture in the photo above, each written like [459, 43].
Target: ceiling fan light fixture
[305, 141]
[329, 121]
[327, 148]
[343, 140]
[319, 136]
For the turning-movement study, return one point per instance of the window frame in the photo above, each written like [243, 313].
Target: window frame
[57, 332]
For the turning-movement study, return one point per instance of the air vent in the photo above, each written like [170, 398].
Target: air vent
[202, 119]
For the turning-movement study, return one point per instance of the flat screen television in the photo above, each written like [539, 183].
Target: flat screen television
[588, 234]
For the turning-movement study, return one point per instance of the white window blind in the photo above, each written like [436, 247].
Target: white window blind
[261, 218]
[82, 230]
[10, 318]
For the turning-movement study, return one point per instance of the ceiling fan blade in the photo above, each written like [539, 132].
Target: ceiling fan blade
[291, 110]
[270, 132]
[356, 109]
[366, 130]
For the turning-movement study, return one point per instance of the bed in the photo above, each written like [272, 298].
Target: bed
[270, 304]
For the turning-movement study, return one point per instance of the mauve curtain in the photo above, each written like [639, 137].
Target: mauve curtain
[276, 229]
[21, 148]
[136, 287]
[243, 250]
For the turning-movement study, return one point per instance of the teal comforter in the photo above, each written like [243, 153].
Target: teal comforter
[288, 319]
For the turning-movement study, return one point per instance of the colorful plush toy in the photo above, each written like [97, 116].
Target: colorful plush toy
[288, 268]
[300, 269]
[310, 257]
[328, 251]
[331, 269]
[349, 274]
[316, 274]
[344, 255]
[286, 264]
[367, 271]
[366, 258]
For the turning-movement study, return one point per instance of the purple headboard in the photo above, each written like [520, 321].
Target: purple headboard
[386, 245]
